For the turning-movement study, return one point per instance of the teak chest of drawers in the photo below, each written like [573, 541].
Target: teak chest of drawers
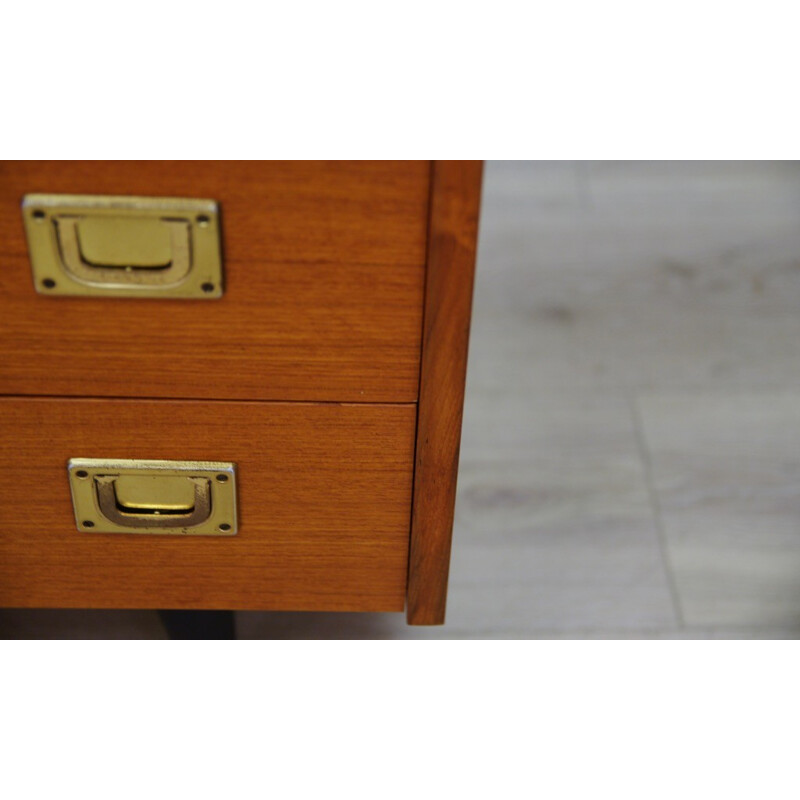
[330, 371]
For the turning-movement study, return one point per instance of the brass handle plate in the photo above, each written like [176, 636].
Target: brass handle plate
[165, 497]
[124, 246]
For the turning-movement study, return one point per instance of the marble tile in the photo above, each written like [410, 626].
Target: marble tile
[726, 470]
[638, 276]
[554, 525]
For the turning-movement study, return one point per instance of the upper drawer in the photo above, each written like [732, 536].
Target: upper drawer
[324, 272]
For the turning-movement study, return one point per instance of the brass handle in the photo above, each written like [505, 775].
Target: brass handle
[169, 273]
[119, 514]
[116, 246]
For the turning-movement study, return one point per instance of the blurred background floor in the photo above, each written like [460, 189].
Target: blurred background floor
[630, 464]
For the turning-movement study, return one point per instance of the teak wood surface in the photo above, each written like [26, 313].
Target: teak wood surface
[324, 275]
[324, 504]
[327, 269]
[452, 242]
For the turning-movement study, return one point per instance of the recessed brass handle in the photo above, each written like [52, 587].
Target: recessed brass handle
[126, 271]
[117, 246]
[156, 516]
[177, 498]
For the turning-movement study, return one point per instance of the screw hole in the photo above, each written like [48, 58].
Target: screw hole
[82, 473]
[48, 283]
[38, 215]
[207, 287]
[224, 527]
[87, 523]
[203, 221]
[222, 478]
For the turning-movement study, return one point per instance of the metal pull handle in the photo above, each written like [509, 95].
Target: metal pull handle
[157, 516]
[116, 246]
[162, 273]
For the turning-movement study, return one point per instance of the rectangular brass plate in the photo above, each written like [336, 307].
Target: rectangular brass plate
[124, 246]
[186, 498]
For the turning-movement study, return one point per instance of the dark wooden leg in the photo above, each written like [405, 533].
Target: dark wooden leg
[198, 624]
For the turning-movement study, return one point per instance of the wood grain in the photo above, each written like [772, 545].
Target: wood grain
[324, 498]
[324, 272]
[455, 203]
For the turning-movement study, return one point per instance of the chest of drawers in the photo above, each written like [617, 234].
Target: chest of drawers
[330, 371]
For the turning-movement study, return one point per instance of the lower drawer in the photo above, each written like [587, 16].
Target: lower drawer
[324, 496]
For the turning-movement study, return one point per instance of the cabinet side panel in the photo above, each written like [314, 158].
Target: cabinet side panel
[452, 238]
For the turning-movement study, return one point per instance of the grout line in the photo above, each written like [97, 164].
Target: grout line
[613, 390]
[581, 633]
[583, 186]
[655, 505]
[585, 205]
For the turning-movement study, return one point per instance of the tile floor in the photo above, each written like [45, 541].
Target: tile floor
[631, 449]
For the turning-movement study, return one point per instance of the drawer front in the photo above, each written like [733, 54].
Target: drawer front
[324, 272]
[324, 496]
